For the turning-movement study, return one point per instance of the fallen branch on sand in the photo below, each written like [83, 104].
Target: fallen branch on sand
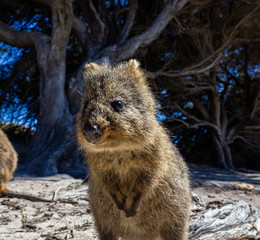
[36, 199]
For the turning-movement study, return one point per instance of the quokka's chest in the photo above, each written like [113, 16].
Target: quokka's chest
[125, 170]
[121, 171]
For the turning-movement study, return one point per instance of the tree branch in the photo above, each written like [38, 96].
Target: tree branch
[129, 48]
[62, 13]
[78, 26]
[21, 39]
[207, 63]
[133, 4]
[97, 26]
[181, 121]
[80, 30]
[192, 70]
[201, 108]
[199, 122]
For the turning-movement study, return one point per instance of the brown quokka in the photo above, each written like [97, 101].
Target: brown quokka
[8, 161]
[138, 183]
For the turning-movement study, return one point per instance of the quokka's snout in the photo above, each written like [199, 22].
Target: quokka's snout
[92, 132]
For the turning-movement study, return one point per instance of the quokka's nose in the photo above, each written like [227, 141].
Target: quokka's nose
[91, 132]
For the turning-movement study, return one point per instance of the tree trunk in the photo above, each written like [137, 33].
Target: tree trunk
[224, 158]
[55, 125]
[221, 158]
[53, 148]
[218, 117]
[228, 156]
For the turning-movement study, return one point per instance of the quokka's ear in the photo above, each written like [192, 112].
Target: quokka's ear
[134, 66]
[90, 68]
[134, 63]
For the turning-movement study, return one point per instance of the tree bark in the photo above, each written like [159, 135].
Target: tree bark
[218, 117]
[228, 156]
[221, 156]
[55, 125]
[224, 158]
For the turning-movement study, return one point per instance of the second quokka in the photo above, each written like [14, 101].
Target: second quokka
[8, 162]
[138, 183]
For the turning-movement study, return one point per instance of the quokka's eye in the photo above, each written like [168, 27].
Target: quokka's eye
[118, 105]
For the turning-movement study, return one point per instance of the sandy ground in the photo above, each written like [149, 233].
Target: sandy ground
[217, 184]
[23, 219]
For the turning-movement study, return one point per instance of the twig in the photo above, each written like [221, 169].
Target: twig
[35, 199]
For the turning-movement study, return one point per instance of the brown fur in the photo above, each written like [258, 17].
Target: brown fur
[138, 183]
[8, 162]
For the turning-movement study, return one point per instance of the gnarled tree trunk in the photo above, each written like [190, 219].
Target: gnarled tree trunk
[223, 153]
[54, 130]
[52, 140]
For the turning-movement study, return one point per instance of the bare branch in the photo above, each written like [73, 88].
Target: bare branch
[209, 62]
[62, 13]
[21, 39]
[95, 22]
[199, 124]
[133, 4]
[199, 121]
[129, 48]
[181, 121]
[250, 143]
[252, 128]
[80, 30]
[201, 108]
[78, 26]
[192, 70]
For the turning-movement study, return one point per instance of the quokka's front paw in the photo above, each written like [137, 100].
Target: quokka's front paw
[131, 212]
[132, 204]
[119, 199]
[3, 189]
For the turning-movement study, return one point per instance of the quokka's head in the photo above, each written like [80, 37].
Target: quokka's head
[117, 110]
